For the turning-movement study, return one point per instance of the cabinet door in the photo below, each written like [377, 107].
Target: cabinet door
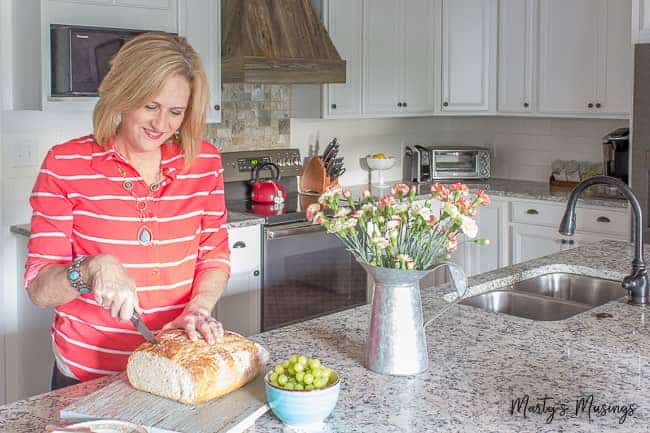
[418, 42]
[615, 83]
[201, 25]
[569, 55]
[530, 242]
[516, 55]
[492, 224]
[343, 21]
[468, 28]
[381, 57]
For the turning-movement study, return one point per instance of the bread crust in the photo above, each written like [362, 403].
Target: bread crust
[214, 369]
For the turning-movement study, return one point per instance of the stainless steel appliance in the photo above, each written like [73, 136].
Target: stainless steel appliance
[429, 163]
[306, 272]
[80, 57]
[616, 155]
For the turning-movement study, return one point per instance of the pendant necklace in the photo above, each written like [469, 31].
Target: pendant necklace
[144, 235]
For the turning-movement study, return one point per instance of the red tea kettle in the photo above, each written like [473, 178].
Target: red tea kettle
[269, 191]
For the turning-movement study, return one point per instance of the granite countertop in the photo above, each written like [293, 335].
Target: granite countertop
[235, 219]
[478, 363]
[516, 189]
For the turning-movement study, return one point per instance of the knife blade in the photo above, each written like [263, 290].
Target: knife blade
[142, 328]
[332, 148]
[327, 150]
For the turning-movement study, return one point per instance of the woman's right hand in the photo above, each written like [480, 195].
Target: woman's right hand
[111, 286]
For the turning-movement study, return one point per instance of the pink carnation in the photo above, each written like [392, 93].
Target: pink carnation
[400, 188]
[459, 187]
[311, 211]
[439, 191]
[386, 200]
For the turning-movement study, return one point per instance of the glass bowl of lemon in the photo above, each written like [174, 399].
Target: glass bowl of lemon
[379, 162]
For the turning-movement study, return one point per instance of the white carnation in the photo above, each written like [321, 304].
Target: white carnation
[469, 226]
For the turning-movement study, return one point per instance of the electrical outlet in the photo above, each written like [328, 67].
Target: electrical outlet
[24, 152]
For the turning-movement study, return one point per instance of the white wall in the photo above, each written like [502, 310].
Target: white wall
[523, 147]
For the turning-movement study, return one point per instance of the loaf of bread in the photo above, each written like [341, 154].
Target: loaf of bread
[194, 371]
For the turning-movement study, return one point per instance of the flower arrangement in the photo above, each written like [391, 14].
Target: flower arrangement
[395, 231]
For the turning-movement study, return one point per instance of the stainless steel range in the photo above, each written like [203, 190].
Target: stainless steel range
[306, 272]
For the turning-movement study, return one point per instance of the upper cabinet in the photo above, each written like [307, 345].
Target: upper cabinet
[398, 48]
[516, 55]
[198, 20]
[585, 57]
[343, 21]
[469, 55]
[200, 23]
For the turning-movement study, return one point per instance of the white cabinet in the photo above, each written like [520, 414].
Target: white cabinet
[585, 58]
[640, 21]
[200, 23]
[469, 29]
[239, 308]
[531, 242]
[343, 22]
[398, 48]
[493, 225]
[516, 55]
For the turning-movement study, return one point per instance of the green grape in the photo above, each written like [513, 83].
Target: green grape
[298, 368]
[302, 359]
[273, 377]
[308, 379]
[298, 387]
[313, 363]
[320, 382]
[294, 358]
[285, 364]
[300, 376]
[316, 373]
[291, 370]
[289, 386]
[275, 383]
[283, 379]
[278, 369]
[309, 387]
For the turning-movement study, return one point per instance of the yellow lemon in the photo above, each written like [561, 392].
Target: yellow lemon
[379, 156]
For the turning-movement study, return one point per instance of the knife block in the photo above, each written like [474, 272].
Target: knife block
[314, 178]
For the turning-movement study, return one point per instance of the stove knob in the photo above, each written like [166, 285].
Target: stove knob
[296, 161]
[280, 162]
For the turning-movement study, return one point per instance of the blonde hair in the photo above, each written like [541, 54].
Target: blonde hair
[138, 73]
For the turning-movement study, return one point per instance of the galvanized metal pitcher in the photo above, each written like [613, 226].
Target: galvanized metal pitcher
[396, 340]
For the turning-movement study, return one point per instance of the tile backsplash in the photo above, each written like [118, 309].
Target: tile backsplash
[255, 116]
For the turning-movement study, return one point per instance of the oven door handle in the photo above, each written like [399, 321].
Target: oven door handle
[279, 232]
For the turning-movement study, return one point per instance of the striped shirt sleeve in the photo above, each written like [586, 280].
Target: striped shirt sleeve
[214, 252]
[51, 224]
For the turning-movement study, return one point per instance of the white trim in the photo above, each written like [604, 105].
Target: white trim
[209, 155]
[216, 192]
[80, 156]
[49, 257]
[165, 286]
[88, 176]
[144, 311]
[101, 197]
[212, 230]
[200, 175]
[226, 261]
[98, 327]
[160, 265]
[53, 217]
[135, 242]
[90, 346]
[215, 213]
[47, 194]
[207, 248]
[136, 219]
[48, 235]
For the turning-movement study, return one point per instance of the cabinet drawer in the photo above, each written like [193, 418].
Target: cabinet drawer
[603, 221]
[245, 248]
[541, 214]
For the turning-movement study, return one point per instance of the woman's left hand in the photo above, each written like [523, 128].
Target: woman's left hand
[196, 323]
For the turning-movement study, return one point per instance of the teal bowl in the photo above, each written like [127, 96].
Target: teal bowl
[302, 407]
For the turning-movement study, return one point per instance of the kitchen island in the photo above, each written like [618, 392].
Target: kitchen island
[487, 372]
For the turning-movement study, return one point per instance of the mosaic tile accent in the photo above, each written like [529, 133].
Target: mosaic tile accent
[254, 116]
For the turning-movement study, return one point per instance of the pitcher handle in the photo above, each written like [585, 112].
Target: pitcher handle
[459, 280]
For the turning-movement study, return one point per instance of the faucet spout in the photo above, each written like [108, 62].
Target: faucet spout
[636, 283]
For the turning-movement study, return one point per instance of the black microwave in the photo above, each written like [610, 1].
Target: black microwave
[80, 57]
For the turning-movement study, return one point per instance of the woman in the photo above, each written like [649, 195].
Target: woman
[131, 218]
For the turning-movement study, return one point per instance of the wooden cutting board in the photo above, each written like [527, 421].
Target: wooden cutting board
[118, 400]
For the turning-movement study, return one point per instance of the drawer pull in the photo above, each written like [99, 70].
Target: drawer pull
[256, 273]
[239, 244]
[603, 219]
[532, 212]
[563, 241]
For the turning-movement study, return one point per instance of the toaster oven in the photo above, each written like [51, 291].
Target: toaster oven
[431, 163]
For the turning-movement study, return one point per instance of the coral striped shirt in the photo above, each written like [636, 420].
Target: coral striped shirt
[81, 207]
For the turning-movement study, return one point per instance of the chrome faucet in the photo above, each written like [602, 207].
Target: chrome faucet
[636, 283]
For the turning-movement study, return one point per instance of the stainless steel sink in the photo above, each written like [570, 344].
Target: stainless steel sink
[579, 288]
[549, 297]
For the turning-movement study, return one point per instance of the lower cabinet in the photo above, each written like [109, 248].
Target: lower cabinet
[240, 306]
[530, 242]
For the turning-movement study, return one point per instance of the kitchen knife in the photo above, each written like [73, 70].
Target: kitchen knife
[328, 149]
[142, 328]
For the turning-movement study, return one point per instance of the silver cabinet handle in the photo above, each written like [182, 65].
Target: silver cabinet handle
[603, 219]
[532, 212]
[239, 244]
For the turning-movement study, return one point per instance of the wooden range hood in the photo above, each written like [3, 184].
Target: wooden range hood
[278, 42]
